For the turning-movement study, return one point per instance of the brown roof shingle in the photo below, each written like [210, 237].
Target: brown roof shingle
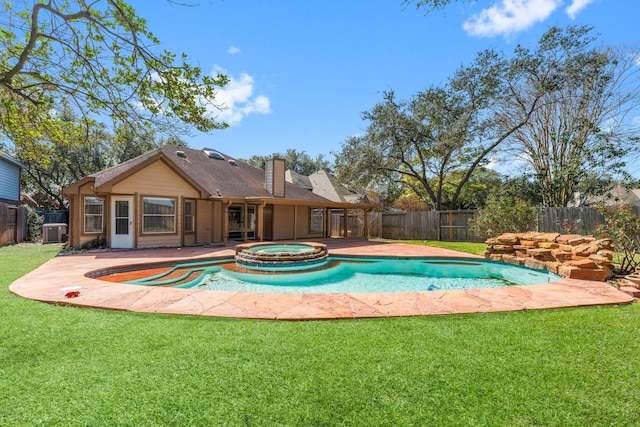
[228, 177]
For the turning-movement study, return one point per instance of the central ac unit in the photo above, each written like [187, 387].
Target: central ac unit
[54, 233]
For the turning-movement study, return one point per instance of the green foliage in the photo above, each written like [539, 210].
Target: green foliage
[622, 226]
[432, 5]
[55, 165]
[504, 214]
[561, 106]
[72, 366]
[434, 143]
[578, 138]
[34, 226]
[295, 160]
[93, 58]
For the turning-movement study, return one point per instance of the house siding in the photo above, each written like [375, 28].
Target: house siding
[80, 238]
[9, 182]
[217, 222]
[283, 217]
[302, 229]
[204, 222]
[156, 180]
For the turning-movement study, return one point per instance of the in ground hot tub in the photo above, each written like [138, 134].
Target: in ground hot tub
[276, 256]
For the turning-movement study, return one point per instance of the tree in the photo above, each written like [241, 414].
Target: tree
[622, 226]
[297, 161]
[504, 214]
[476, 192]
[420, 143]
[95, 58]
[432, 5]
[578, 136]
[57, 165]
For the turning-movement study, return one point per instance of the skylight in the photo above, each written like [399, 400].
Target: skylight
[213, 154]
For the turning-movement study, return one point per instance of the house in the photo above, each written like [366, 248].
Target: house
[12, 219]
[325, 185]
[616, 196]
[176, 196]
[10, 170]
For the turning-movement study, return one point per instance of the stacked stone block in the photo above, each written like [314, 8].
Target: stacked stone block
[570, 255]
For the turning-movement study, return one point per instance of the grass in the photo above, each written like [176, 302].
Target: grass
[64, 366]
[468, 247]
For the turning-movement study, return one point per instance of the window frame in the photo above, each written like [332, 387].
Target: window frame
[145, 216]
[191, 216]
[86, 216]
[313, 220]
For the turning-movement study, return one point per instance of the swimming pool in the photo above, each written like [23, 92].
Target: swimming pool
[348, 274]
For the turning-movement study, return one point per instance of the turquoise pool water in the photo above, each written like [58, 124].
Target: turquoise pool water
[376, 275]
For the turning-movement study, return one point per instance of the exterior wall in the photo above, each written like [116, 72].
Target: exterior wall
[189, 239]
[76, 216]
[204, 221]
[156, 180]
[73, 222]
[9, 182]
[282, 222]
[216, 221]
[302, 229]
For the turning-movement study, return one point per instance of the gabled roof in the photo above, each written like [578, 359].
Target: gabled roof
[298, 179]
[214, 177]
[324, 184]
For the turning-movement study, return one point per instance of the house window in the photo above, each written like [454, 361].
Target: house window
[189, 216]
[316, 220]
[93, 214]
[158, 215]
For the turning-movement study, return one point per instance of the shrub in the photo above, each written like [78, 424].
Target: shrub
[504, 214]
[34, 226]
[622, 226]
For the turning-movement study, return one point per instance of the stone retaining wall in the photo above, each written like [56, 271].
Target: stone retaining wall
[569, 255]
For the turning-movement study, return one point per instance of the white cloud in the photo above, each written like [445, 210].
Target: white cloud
[237, 99]
[576, 7]
[233, 50]
[510, 16]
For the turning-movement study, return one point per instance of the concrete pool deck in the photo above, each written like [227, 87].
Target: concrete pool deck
[51, 281]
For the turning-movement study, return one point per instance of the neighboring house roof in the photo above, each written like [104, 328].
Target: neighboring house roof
[324, 184]
[9, 159]
[214, 177]
[618, 196]
[298, 179]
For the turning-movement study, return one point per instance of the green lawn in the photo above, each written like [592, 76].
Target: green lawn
[469, 247]
[64, 366]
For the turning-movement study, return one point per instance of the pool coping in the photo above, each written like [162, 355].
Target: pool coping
[54, 279]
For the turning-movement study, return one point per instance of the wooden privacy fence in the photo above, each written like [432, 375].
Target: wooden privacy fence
[13, 223]
[453, 226]
[427, 225]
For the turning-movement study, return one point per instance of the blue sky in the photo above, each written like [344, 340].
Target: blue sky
[302, 72]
